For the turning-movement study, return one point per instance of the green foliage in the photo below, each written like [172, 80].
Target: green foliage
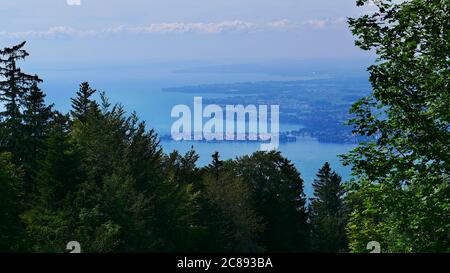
[11, 230]
[83, 102]
[400, 196]
[99, 177]
[278, 198]
[47, 230]
[227, 211]
[14, 87]
[124, 188]
[328, 212]
[36, 120]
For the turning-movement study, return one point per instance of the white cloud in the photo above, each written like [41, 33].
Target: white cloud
[51, 32]
[224, 27]
[73, 2]
[281, 24]
[208, 28]
[323, 23]
[317, 23]
[287, 25]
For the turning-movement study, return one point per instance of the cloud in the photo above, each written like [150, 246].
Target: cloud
[224, 27]
[286, 25]
[323, 23]
[208, 28]
[57, 31]
[73, 2]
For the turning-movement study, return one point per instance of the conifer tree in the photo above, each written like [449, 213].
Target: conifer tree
[11, 229]
[182, 169]
[14, 86]
[328, 212]
[36, 117]
[144, 155]
[82, 102]
[58, 172]
[57, 176]
[216, 164]
[233, 222]
[278, 197]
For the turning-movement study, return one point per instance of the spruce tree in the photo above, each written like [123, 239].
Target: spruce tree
[82, 102]
[57, 176]
[328, 212]
[183, 168]
[216, 164]
[57, 173]
[11, 229]
[14, 86]
[36, 117]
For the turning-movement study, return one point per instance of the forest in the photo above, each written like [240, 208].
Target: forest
[99, 176]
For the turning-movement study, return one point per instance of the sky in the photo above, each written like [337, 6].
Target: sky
[222, 31]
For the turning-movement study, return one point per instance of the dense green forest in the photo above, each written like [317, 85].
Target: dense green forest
[98, 176]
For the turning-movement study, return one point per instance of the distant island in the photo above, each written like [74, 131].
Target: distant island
[319, 107]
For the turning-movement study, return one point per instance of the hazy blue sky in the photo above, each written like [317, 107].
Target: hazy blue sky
[179, 30]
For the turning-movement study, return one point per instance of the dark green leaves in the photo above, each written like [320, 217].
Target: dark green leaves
[409, 116]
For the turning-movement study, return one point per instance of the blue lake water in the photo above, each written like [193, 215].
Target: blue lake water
[140, 90]
[308, 155]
